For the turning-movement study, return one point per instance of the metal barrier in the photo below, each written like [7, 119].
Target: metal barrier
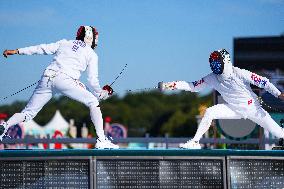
[141, 169]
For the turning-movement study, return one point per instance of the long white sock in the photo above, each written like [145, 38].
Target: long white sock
[16, 118]
[97, 119]
[203, 127]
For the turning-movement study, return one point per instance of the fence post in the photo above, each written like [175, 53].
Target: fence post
[147, 140]
[166, 140]
[48, 144]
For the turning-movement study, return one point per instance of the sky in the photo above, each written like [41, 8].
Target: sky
[159, 40]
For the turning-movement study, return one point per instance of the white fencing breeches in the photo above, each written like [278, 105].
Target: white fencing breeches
[222, 111]
[60, 83]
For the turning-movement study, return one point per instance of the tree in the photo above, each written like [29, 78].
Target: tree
[145, 112]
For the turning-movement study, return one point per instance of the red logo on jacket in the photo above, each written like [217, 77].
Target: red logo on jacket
[249, 101]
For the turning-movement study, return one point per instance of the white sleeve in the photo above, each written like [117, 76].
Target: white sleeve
[195, 86]
[257, 80]
[45, 49]
[93, 75]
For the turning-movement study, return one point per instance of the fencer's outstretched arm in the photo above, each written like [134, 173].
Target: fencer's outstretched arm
[195, 86]
[261, 82]
[45, 49]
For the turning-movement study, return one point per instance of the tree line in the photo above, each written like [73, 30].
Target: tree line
[142, 112]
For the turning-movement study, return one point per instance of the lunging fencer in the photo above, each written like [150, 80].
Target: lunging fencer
[233, 84]
[71, 58]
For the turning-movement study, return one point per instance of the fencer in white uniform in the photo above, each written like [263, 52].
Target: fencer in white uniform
[234, 86]
[71, 58]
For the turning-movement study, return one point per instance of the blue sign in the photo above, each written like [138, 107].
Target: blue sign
[15, 131]
[117, 130]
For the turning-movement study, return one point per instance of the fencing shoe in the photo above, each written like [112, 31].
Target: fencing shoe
[190, 145]
[105, 143]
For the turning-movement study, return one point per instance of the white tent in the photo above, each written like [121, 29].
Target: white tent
[32, 128]
[56, 123]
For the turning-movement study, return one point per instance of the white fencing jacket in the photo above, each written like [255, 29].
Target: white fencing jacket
[234, 86]
[72, 57]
